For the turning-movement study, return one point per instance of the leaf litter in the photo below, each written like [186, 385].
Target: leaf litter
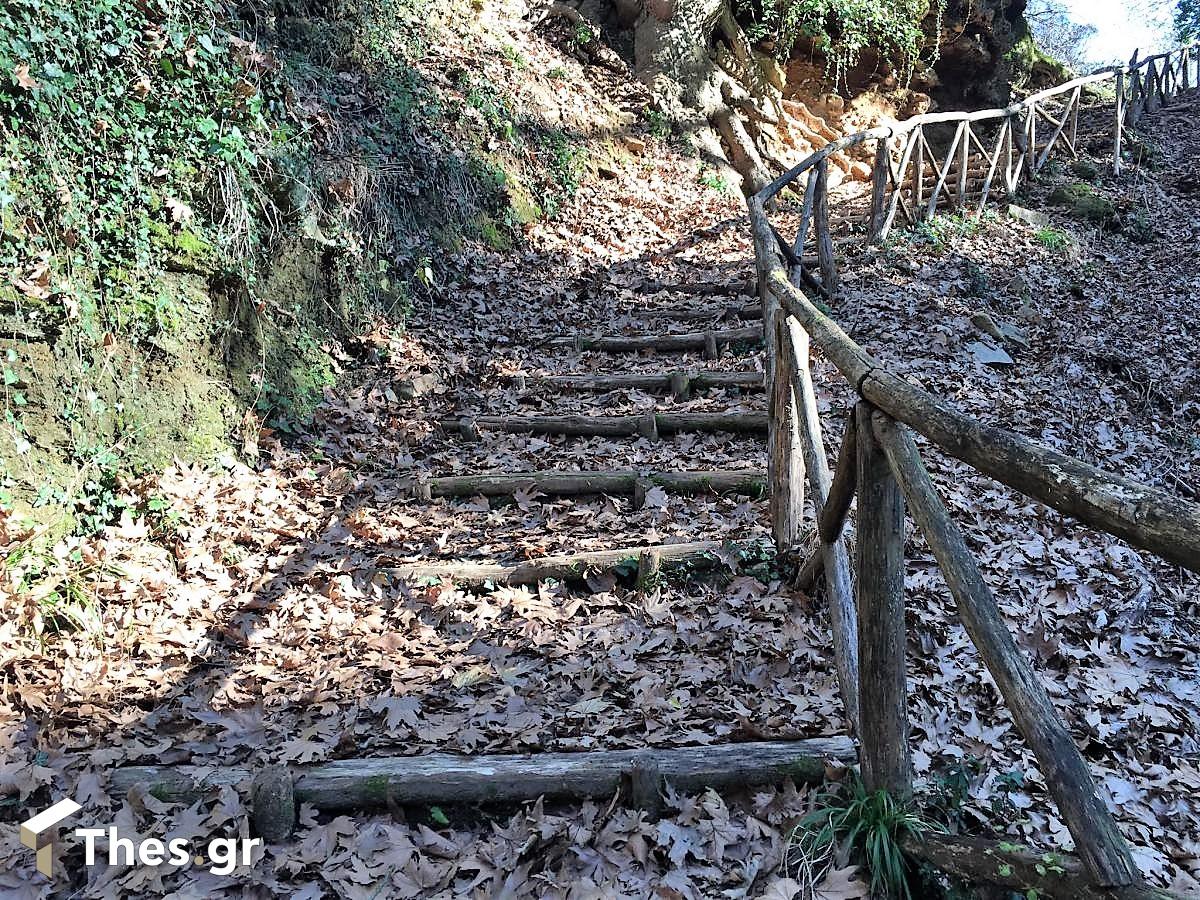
[251, 620]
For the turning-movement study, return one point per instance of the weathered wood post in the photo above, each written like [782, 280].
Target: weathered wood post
[825, 257]
[1099, 842]
[1031, 154]
[918, 193]
[839, 589]
[785, 460]
[964, 165]
[1119, 122]
[766, 255]
[879, 588]
[879, 185]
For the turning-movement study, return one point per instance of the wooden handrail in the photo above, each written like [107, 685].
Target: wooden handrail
[1147, 517]
[905, 127]
[880, 464]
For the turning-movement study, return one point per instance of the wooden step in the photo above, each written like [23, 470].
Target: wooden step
[747, 381]
[750, 482]
[748, 311]
[567, 566]
[708, 341]
[650, 425]
[349, 784]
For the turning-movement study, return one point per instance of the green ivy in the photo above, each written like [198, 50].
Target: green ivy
[844, 29]
[118, 122]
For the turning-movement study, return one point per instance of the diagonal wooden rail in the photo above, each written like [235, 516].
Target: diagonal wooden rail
[989, 153]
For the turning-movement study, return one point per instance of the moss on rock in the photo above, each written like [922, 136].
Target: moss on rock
[1083, 203]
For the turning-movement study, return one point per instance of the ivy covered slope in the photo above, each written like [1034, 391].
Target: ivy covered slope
[201, 203]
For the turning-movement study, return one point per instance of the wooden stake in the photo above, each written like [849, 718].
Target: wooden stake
[880, 177]
[785, 464]
[273, 804]
[649, 571]
[879, 583]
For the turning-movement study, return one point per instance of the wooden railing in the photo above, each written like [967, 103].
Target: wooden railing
[959, 160]
[880, 463]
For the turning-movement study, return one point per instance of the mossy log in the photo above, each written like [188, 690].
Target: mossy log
[648, 425]
[565, 567]
[351, 784]
[1054, 876]
[750, 482]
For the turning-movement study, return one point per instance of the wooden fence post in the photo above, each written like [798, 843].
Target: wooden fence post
[1097, 838]
[1119, 123]
[839, 590]
[880, 176]
[879, 587]
[825, 257]
[785, 463]
[765, 256]
[964, 166]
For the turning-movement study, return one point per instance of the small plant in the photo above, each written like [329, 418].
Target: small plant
[1138, 227]
[873, 823]
[514, 56]
[659, 126]
[951, 787]
[714, 181]
[939, 231]
[583, 35]
[1053, 239]
[557, 72]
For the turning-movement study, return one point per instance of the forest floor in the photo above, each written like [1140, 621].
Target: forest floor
[250, 619]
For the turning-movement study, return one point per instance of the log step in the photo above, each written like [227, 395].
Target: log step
[703, 289]
[750, 482]
[569, 566]
[748, 311]
[699, 340]
[650, 425]
[351, 784]
[748, 381]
